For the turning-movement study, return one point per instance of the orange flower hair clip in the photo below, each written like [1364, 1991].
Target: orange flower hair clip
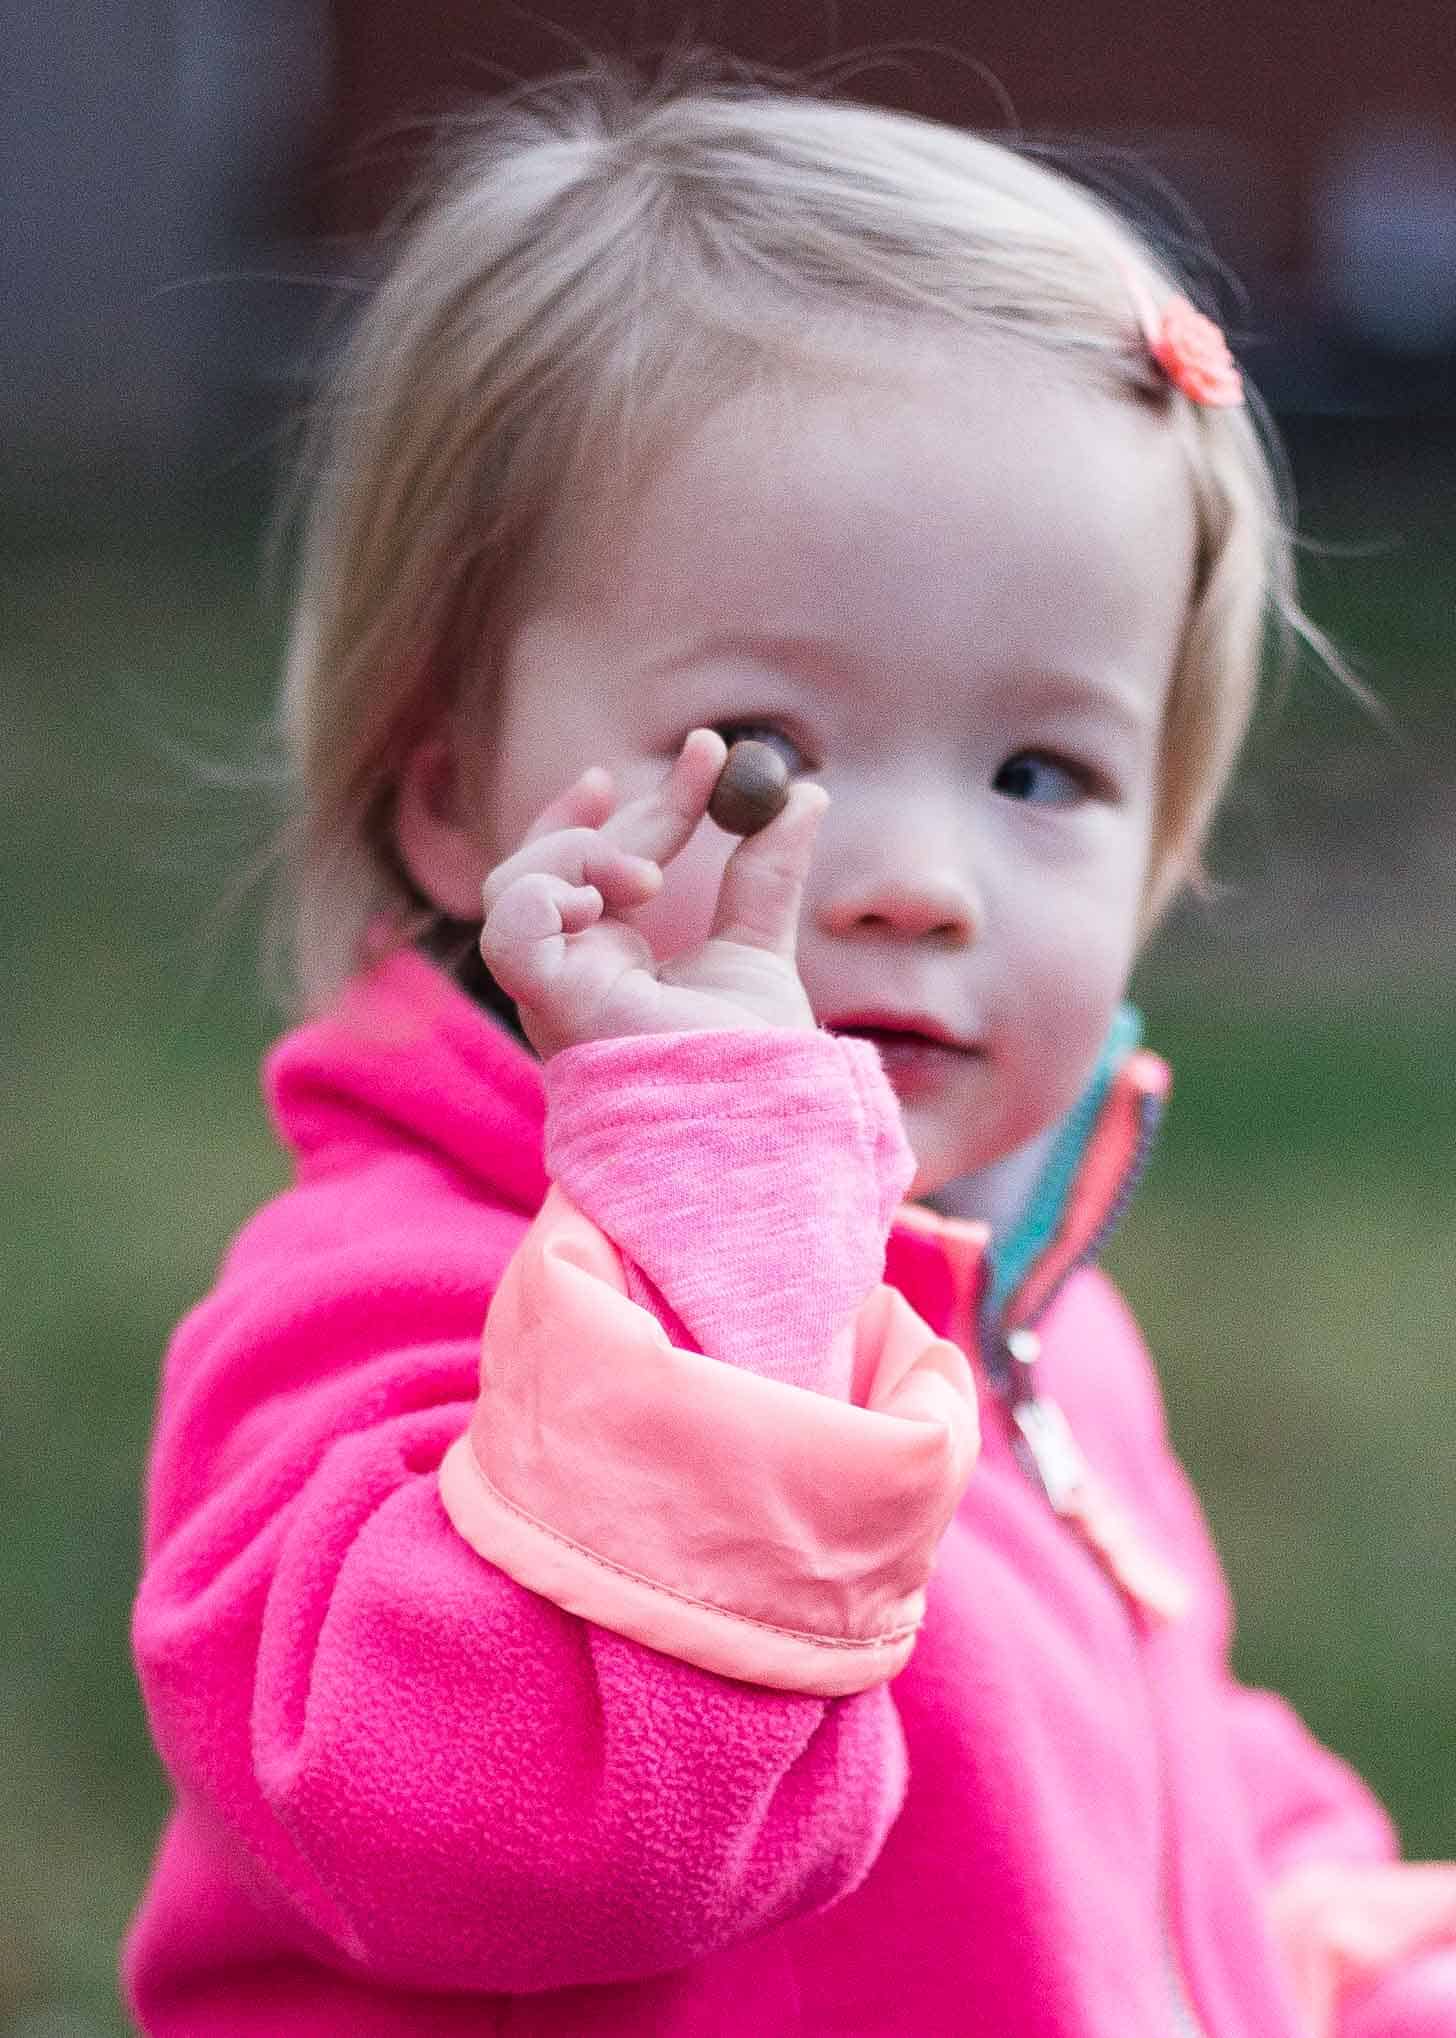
[1189, 348]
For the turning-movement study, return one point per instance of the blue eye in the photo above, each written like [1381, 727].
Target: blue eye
[1040, 780]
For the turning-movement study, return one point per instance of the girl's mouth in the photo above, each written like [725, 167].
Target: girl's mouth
[919, 1054]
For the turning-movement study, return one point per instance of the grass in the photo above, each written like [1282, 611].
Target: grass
[1289, 1257]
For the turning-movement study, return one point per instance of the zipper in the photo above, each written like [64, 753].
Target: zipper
[1149, 1106]
[1011, 1342]
[1150, 1589]
[1049, 1453]
[1150, 1113]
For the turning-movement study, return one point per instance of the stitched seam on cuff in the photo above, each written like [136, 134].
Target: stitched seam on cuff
[748, 1620]
[876, 1138]
[871, 1142]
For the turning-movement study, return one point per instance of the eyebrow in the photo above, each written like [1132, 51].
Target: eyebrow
[813, 657]
[1084, 693]
[820, 658]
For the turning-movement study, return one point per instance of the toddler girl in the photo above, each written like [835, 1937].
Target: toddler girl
[664, 1527]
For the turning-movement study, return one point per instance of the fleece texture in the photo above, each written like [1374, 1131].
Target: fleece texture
[416, 1795]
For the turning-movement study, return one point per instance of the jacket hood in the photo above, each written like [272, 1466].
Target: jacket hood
[405, 1055]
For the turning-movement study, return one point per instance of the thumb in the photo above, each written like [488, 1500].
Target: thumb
[763, 881]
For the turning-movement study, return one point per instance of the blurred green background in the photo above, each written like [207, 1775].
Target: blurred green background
[188, 188]
[1291, 1255]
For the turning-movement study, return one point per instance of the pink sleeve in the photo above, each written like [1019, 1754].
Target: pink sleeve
[1414, 1998]
[718, 1511]
[1369, 1940]
[416, 1756]
[1372, 1950]
[1307, 1804]
[748, 1180]
[758, 1530]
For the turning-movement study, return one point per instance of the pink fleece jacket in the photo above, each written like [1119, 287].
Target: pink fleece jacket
[691, 1652]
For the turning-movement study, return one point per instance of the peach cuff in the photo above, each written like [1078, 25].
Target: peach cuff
[749, 1526]
[1343, 1926]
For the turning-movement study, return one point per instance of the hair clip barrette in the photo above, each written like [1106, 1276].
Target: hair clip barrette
[1189, 348]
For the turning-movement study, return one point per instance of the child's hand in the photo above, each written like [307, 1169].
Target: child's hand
[555, 941]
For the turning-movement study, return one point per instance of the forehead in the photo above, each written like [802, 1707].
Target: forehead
[940, 506]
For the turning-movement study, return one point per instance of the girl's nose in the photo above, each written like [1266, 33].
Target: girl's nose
[906, 904]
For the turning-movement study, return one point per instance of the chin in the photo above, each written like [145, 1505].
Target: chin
[988, 1179]
[940, 1143]
[935, 1171]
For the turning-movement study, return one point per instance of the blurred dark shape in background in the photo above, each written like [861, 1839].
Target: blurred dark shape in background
[188, 192]
[182, 179]
[153, 159]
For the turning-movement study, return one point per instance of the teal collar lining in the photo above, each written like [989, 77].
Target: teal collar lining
[1013, 1256]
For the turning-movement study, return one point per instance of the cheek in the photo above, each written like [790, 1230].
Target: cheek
[1076, 965]
[1078, 933]
[1081, 926]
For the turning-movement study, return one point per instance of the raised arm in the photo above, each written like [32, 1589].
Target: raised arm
[435, 1772]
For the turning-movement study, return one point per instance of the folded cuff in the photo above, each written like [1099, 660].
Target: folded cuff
[754, 1528]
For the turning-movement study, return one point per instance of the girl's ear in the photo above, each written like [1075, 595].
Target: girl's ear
[436, 837]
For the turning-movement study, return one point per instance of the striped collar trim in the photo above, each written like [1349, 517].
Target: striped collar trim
[1085, 1185]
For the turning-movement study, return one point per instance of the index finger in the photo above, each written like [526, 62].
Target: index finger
[663, 821]
[586, 803]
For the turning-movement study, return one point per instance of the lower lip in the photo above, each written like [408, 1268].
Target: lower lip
[916, 1066]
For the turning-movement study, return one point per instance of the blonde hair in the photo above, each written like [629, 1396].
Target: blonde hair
[606, 259]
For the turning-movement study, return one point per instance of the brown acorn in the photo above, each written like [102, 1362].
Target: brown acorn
[752, 788]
